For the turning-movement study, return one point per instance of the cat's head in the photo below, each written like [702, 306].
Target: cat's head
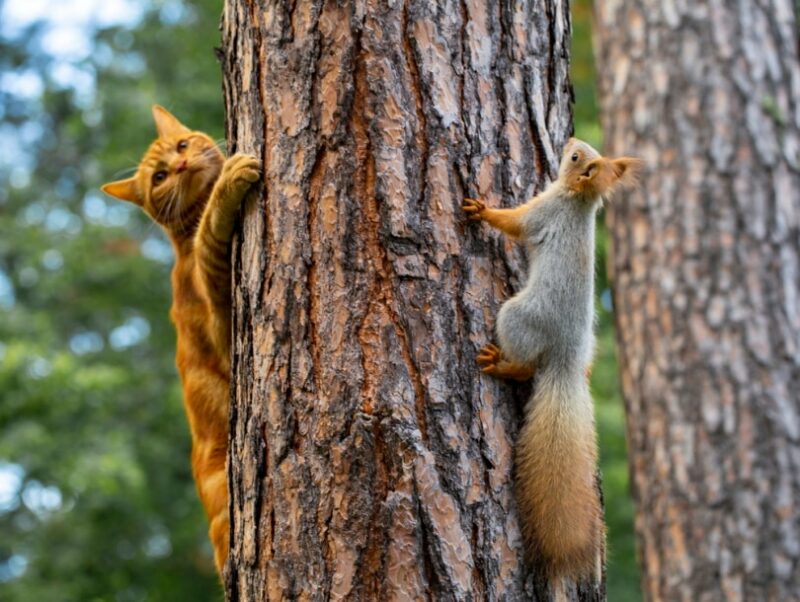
[176, 174]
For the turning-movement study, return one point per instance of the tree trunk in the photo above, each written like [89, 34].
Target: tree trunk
[707, 289]
[369, 459]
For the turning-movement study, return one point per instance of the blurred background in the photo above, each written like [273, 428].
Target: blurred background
[96, 496]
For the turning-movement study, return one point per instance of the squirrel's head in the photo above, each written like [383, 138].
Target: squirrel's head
[588, 175]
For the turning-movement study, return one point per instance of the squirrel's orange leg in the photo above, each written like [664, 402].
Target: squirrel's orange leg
[508, 221]
[492, 363]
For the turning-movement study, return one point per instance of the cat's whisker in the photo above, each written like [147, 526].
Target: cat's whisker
[150, 228]
[209, 153]
[181, 191]
[124, 173]
[158, 218]
[159, 212]
[165, 211]
[176, 210]
[175, 206]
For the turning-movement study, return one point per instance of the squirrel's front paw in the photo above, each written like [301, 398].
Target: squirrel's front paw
[488, 358]
[473, 208]
[241, 171]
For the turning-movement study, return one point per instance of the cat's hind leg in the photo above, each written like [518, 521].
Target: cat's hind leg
[208, 463]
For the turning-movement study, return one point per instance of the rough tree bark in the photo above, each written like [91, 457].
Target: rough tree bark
[706, 276]
[369, 460]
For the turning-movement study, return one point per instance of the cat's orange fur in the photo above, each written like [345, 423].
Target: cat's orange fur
[186, 185]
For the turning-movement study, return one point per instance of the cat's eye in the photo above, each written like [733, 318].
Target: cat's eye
[183, 145]
[574, 157]
[159, 177]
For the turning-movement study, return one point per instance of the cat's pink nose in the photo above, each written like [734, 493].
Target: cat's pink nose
[181, 166]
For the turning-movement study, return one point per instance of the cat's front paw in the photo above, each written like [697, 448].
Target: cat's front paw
[240, 172]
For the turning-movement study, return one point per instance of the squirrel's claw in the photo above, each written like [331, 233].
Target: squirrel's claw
[488, 356]
[473, 208]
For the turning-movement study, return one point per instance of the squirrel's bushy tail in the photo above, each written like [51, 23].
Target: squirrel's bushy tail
[556, 464]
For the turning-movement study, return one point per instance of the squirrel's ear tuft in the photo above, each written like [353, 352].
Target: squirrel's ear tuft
[125, 190]
[167, 124]
[626, 171]
[604, 176]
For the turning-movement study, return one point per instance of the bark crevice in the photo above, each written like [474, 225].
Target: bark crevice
[383, 460]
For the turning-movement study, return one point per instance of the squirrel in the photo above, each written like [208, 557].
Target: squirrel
[547, 329]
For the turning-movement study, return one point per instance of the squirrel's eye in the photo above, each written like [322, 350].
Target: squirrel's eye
[182, 145]
[159, 177]
[574, 157]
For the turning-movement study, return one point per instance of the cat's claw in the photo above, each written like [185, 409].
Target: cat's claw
[242, 170]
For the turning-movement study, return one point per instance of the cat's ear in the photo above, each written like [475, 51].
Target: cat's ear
[167, 124]
[125, 190]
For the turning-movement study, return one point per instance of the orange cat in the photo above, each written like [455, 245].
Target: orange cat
[186, 185]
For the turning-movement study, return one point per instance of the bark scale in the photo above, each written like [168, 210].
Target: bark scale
[706, 278]
[369, 459]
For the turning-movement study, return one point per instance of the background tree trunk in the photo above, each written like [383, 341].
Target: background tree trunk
[707, 289]
[369, 459]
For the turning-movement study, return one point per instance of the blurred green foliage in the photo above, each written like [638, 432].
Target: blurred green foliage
[96, 496]
[623, 572]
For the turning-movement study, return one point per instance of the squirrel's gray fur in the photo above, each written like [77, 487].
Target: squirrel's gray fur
[546, 330]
